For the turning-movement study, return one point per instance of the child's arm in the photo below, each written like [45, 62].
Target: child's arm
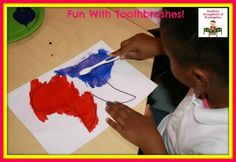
[139, 47]
[138, 129]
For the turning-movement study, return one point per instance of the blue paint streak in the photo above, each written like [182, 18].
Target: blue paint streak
[98, 76]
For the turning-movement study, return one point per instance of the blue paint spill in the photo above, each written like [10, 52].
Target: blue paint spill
[98, 76]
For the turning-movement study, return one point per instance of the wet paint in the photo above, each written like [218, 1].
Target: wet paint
[61, 97]
[98, 76]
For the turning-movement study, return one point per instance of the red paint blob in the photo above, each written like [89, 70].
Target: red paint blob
[60, 96]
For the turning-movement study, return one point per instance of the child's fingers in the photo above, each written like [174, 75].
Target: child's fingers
[148, 111]
[120, 53]
[116, 53]
[120, 108]
[119, 112]
[115, 115]
[125, 52]
[125, 43]
[114, 125]
[123, 48]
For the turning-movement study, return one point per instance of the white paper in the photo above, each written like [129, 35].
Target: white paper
[51, 134]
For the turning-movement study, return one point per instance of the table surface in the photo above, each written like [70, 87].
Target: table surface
[144, 23]
[34, 56]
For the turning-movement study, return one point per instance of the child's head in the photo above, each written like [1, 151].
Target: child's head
[213, 23]
[199, 63]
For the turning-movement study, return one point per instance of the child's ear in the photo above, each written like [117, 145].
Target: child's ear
[201, 78]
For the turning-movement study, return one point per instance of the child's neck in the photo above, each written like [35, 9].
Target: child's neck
[219, 98]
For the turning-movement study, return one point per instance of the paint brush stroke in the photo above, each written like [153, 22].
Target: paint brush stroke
[98, 76]
[60, 96]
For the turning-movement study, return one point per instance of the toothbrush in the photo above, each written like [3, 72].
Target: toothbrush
[89, 69]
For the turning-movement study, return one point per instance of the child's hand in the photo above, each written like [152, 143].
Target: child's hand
[136, 128]
[139, 47]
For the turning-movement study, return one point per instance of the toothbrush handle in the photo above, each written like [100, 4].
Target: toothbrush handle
[105, 61]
